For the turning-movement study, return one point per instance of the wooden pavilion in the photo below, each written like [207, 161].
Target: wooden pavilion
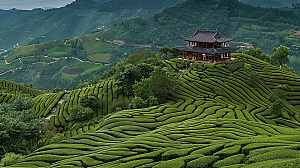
[207, 46]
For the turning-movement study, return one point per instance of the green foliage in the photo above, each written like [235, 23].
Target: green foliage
[280, 55]
[162, 83]
[215, 113]
[280, 92]
[232, 160]
[253, 52]
[21, 103]
[276, 108]
[91, 101]
[79, 113]
[77, 48]
[142, 89]
[18, 123]
[126, 79]
[234, 66]
[253, 77]
[56, 90]
[119, 105]
[167, 53]
[10, 159]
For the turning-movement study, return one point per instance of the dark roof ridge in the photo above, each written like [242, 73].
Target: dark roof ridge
[206, 36]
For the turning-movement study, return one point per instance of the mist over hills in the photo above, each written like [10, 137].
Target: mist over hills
[76, 19]
[81, 17]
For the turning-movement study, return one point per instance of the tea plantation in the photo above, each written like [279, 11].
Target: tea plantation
[216, 119]
[9, 91]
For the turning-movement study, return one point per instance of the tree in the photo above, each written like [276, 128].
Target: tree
[141, 54]
[162, 83]
[56, 90]
[79, 113]
[77, 48]
[168, 53]
[280, 55]
[142, 89]
[276, 108]
[18, 124]
[21, 103]
[126, 79]
[91, 101]
[145, 70]
[253, 52]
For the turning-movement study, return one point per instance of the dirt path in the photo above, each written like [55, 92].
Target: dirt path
[53, 112]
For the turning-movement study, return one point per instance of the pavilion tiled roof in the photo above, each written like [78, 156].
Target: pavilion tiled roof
[205, 36]
[211, 51]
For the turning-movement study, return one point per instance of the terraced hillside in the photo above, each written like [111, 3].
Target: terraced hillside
[216, 120]
[14, 88]
[42, 104]
[105, 91]
[6, 98]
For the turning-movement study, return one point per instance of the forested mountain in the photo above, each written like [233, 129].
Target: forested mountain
[76, 19]
[262, 27]
[271, 3]
[115, 5]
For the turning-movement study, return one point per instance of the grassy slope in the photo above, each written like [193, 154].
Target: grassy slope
[216, 119]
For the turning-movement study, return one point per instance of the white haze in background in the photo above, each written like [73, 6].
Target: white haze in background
[31, 4]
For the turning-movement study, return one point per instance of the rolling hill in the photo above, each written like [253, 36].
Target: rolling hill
[262, 27]
[74, 20]
[216, 119]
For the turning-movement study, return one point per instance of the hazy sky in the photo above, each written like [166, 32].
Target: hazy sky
[30, 4]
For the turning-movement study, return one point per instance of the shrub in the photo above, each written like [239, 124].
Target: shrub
[91, 100]
[236, 159]
[229, 151]
[202, 161]
[10, 159]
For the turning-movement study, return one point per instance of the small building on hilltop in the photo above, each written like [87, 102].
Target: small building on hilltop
[207, 46]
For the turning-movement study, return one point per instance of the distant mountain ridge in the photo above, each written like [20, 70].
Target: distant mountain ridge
[271, 3]
[38, 26]
[115, 5]
[230, 18]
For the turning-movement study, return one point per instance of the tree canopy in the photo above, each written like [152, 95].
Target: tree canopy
[280, 55]
[18, 123]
